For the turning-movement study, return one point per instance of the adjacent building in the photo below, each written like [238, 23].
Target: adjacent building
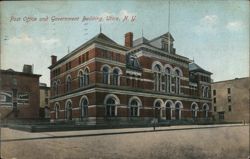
[44, 101]
[19, 94]
[103, 81]
[231, 100]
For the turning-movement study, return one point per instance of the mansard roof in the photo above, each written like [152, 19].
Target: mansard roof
[193, 67]
[163, 36]
[139, 41]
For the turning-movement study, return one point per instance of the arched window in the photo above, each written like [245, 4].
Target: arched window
[169, 110]
[68, 110]
[206, 92]
[194, 109]
[86, 77]
[80, 78]
[105, 71]
[68, 84]
[168, 80]
[178, 107]
[57, 111]
[157, 77]
[84, 107]
[110, 107]
[116, 77]
[134, 108]
[205, 110]
[177, 81]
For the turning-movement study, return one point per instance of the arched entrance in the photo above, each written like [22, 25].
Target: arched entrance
[178, 107]
[169, 106]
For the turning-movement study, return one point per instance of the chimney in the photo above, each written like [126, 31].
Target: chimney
[27, 69]
[53, 59]
[129, 39]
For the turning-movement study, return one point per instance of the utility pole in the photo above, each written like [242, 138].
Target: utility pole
[0, 136]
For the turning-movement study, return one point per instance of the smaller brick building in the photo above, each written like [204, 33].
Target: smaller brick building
[19, 94]
[231, 100]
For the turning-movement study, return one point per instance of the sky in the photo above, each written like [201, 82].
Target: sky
[213, 33]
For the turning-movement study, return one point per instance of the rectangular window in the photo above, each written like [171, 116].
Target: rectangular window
[214, 109]
[229, 108]
[214, 100]
[229, 90]
[79, 60]
[214, 92]
[87, 56]
[229, 98]
[117, 57]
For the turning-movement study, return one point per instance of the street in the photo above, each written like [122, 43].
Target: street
[231, 142]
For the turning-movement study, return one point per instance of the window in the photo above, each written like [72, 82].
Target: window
[55, 88]
[110, 107]
[205, 110]
[46, 93]
[214, 100]
[116, 77]
[117, 57]
[68, 84]
[194, 110]
[84, 107]
[134, 108]
[86, 77]
[229, 108]
[214, 108]
[46, 101]
[87, 56]
[214, 92]
[157, 77]
[228, 90]
[80, 78]
[229, 98]
[177, 111]
[105, 71]
[79, 60]
[57, 111]
[68, 66]
[168, 80]
[68, 110]
[177, 82]
[221, 115]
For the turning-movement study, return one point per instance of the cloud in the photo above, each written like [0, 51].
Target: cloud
[25, 39]
[235, 26]
[49, 41]
[210, 20]
[207, 24]
[22, 38]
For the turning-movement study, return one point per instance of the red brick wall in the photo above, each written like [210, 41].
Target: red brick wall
[25, 84]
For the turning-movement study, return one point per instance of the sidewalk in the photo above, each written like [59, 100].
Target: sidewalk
[21, 135]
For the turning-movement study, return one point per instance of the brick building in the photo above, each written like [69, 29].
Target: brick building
[231, 100]
[19, 94]
[102, 81]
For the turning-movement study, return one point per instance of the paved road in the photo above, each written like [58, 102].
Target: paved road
[229, 141]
